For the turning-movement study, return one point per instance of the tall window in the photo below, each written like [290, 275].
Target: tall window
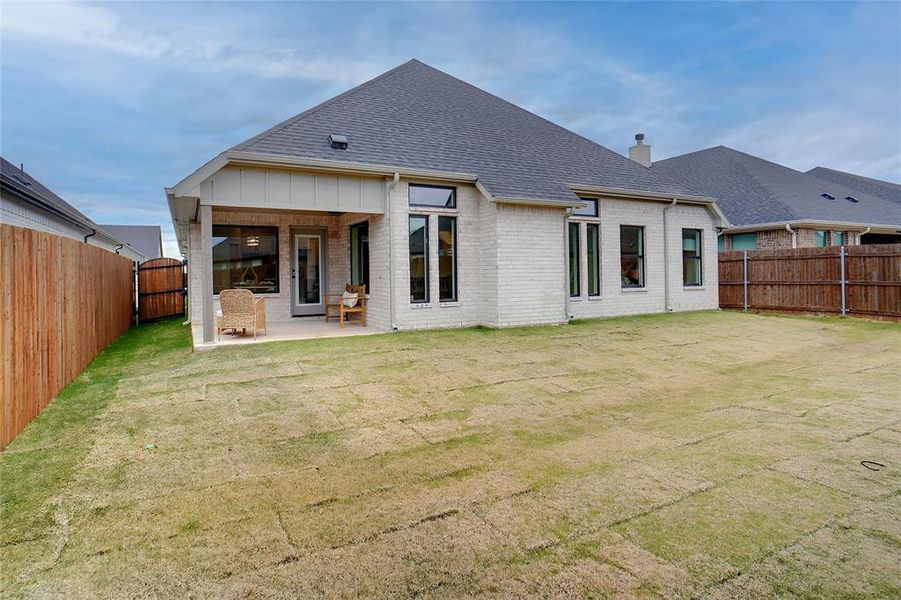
[574, 287]
[433, 195]
[631, 255]
[447, 259]
[359, 254]
[593, 243]
[419, 258]
[744, 241]
[245, 258]
[691, 257]
[589, 210]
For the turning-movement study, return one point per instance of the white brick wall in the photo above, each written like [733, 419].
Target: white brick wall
[614, 300]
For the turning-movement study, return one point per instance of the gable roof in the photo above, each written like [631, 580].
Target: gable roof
[415, 116]
[146, 239]
[751, 190]
[876, 187]
[24, 184]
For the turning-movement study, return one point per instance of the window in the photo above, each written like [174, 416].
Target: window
[631, 252]
[419, 258]
[691, 257]
[433, 195]
[744, 241]
[447, 259]
[574, 288]
[589, 210]
[838, 238]
[820, 239]
[245, 258]
[359, 254]
[720, 243]
[593, 243]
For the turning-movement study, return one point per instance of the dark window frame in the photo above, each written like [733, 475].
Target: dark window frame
[454, 297]
[642, 274]
[591, 202]
[578, 262]
[364, 267]
[597, 249]
[426, 265]
[278, 266]
[699, 257]
[452, 189]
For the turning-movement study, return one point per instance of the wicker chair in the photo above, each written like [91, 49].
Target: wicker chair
[240, 311]
[336, 302]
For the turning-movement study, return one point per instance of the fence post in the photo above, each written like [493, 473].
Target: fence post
[844, 297]
[745, 270]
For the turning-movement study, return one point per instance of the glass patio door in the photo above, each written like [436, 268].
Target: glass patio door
[308, 275]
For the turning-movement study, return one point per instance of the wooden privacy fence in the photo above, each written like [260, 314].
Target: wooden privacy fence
[161, 289]
[63, 301]
[847, 280]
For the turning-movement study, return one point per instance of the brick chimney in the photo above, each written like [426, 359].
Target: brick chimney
[640, 153]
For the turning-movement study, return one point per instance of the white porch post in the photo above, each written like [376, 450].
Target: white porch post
[206, 268]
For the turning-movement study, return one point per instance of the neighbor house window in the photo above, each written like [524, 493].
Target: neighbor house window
[589, 210]
[245, 258]
[433, 195]
[574, 288]
[691, 257]
[593, 245]
[721, 243]
[631, 252]
[359, 254]
[821, 239]
[447, 259]
[838, 238]
[744, 241]
[419, 258]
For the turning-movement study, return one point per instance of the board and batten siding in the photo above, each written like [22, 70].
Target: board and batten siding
[245, 187]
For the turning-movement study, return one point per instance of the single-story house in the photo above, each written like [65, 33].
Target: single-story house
[772, 206]
[26, 202]
[147, 239]
[454, 207]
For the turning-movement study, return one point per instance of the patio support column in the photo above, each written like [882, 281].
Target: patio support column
[206, 270]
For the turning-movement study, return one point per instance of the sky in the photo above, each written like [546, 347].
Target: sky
[108, 103]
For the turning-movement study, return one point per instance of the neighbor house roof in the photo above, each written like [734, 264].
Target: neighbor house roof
[148, 239]
[875, 187]
[751, 190]
[415, 116]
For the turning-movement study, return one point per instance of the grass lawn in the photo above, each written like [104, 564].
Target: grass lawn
[704, 454]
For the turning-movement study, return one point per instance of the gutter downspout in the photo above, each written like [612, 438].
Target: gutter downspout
[93, 233]
[567, 213]
[119, 247]
[793, 233]
[391, 309]
[666, 306]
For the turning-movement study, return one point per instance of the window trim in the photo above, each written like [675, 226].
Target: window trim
[642, 284]
[597, 244]
[592, 201]
[350, 250]
[578, 254]
[425, 253]
[278, 259]
[452, 188]
[698, 257]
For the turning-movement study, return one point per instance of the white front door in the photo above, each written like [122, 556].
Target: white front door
[309, 280]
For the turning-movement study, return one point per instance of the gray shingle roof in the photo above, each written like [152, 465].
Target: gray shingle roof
[146, 239]
[875, 187]
[26, 184]
[415, 116]
[752, 190]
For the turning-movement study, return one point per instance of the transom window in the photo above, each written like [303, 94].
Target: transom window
[589, 210]
[691, 257]
[437, 196]
[245, 257]
[631, 252]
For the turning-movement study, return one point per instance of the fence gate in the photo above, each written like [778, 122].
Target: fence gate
[161, 289]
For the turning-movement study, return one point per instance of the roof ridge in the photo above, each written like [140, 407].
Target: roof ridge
[291, 120]
[873, 180]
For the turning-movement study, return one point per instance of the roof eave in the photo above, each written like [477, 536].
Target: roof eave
[848, 225]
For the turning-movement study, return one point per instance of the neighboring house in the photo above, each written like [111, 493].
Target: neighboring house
[25, 202]
[147, 239]
[454, 206]
[772, 206]
[865, 185]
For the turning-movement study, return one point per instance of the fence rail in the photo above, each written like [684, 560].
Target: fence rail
[846, 280]
[63, 301]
